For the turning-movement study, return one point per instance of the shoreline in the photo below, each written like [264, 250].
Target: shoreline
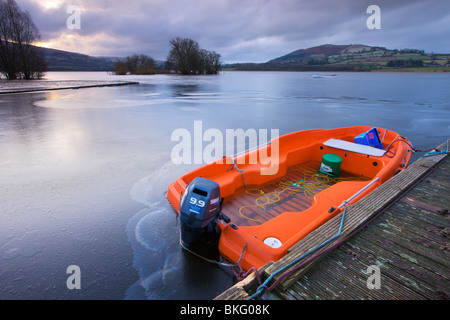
[24, 86]
[353, 71]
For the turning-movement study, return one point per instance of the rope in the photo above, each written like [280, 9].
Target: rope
[436, 152]
[338, 243]
[263, 286]
[239, 271]
[220, 263]
[345, 204]
[311, 184]
[428, 152]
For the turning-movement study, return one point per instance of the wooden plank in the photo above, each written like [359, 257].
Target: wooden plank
[240, 290]
[402, 265]
[417, 231]
[358, 214]
[420, 204]
[434, 193]
[411, 272]
[343, 277]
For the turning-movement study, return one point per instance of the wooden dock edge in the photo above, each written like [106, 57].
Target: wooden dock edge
[357, 215]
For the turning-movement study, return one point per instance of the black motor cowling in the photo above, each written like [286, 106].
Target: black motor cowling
[200, 206]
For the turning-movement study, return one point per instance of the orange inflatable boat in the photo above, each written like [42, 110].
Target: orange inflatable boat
[262, 208]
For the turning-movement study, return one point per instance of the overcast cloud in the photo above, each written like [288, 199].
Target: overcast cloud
[240, 30]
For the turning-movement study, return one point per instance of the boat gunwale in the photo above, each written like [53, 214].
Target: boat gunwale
[290, 154]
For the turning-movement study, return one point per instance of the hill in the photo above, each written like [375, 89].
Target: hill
[329, 54]
[58, 60]
[353, 57]
[328, 57]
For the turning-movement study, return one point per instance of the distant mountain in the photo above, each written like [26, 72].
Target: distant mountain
[330, 53]
[58, 60]
[328, 57]
[352, 57]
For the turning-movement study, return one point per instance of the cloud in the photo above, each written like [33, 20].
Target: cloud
[240, 30]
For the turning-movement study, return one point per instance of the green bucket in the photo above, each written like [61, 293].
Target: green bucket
[331, 164]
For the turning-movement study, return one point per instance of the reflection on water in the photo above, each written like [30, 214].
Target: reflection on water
[154, 236]
[155, 254]
[84, 172]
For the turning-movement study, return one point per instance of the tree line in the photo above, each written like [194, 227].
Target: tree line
[135, 64]
[410, 63]
[19, 58]
[303, 67]
[185, 57]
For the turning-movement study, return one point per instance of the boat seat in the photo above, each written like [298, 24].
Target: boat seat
[354, 147]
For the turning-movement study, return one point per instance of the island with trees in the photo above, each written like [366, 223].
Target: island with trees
[185, 57]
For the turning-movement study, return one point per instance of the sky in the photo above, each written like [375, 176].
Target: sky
[240, 30]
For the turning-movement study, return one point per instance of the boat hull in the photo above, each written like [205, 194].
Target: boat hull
[254, 244]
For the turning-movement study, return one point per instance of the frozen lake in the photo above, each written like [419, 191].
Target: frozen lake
[83, 173]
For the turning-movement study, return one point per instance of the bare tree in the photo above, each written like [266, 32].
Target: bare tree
[8, 50]
[186, 57]
[27, 34]
[132, 63]
[210, 62]
[120, 68]
[135, 64]
[18, 34]
[146, 65]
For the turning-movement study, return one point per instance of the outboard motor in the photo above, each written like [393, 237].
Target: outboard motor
[200, 206]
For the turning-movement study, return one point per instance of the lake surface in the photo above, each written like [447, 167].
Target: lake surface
[83, 173]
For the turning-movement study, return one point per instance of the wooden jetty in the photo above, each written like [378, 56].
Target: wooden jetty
[394, 244]
[26, 86]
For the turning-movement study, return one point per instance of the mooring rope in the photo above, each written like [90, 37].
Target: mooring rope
[263, 287]
[436, 152]
[220, 263]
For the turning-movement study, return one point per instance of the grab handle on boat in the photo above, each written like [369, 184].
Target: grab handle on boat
[241, 171]
[345, 202]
